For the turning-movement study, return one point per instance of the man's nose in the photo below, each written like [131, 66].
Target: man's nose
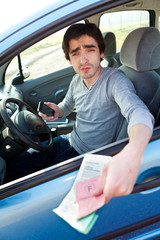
[84, 57]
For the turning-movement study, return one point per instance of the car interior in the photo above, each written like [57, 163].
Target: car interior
[111, 57]
[44, 75]
[140, 65]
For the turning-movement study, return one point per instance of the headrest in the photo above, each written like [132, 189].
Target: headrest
[110, 44]
[141, 49]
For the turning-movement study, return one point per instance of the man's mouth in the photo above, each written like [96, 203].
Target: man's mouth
[85, 69]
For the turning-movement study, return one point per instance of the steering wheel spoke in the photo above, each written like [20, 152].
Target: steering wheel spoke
[26, 124]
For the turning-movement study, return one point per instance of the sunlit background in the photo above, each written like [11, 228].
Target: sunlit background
[15, 11]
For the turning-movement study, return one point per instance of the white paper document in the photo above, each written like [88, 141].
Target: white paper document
[91, 167]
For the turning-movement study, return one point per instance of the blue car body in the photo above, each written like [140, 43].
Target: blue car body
[28, 214]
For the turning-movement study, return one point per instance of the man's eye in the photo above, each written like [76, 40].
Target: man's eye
[74, 54]
[91, 50]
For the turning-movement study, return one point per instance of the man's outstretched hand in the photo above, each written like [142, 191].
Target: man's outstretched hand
[119, 175]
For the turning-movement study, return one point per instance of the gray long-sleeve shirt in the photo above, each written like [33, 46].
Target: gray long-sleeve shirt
[98, 109]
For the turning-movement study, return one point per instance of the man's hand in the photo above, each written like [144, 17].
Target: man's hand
[57, 112]
[119, 176]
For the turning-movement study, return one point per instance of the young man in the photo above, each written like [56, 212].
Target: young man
[100, 96]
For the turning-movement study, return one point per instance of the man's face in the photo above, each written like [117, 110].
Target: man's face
[85, 57]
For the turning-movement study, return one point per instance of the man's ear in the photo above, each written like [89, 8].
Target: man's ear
[102, 55]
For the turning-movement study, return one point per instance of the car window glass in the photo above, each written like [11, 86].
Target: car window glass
[40, 59]
[122, 23]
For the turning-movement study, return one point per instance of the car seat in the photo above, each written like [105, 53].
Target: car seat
[140, 56]
[110, 51]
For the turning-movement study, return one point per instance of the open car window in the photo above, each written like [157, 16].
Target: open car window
[42, 58]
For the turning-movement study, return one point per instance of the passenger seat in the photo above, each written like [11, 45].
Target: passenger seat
[140, 56]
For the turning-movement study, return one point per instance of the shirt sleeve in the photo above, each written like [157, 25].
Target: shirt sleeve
[131, 106]
[67, 105]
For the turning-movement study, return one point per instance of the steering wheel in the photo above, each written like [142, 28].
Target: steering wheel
[25, 124]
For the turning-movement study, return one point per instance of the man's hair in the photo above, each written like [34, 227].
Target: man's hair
[77, 30]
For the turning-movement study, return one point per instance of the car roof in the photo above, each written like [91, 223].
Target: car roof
[41, 23]
[41, 18]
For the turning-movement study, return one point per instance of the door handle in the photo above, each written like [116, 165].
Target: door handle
[147, 186]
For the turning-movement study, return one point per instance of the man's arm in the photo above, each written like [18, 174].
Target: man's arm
[119, 176]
